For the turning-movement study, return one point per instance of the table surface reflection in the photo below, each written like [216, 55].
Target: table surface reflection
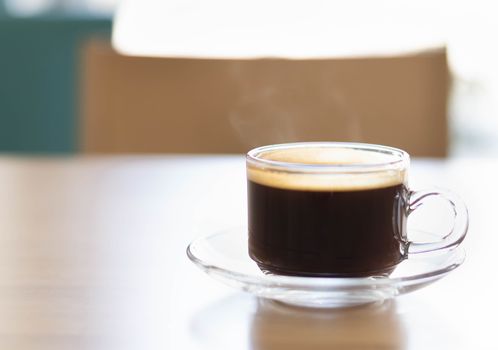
[92, 256]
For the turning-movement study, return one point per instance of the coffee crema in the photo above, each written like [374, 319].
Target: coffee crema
[326, 223]
[326, 181]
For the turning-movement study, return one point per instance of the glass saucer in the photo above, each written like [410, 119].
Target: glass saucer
[224, 256]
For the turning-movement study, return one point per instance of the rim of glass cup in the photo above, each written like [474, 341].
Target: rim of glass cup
[400, 158]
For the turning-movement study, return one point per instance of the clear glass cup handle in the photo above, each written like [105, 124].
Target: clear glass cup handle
[460, 220]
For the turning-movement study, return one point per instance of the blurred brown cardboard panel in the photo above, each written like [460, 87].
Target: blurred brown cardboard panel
[188, 105]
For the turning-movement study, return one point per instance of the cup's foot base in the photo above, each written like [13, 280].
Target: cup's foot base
[272, 270]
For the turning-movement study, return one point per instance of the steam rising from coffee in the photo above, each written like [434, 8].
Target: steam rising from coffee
[270, 113]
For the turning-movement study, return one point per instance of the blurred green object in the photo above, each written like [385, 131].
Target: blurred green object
[39, 73]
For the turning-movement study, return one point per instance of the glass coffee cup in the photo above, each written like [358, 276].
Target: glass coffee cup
[330, 209]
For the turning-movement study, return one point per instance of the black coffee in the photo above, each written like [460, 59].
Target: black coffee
[325, 232]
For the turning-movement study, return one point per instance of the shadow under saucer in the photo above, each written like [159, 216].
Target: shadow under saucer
[279, 326]
[263, 324]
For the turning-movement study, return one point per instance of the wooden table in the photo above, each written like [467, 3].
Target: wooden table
[92, 256]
